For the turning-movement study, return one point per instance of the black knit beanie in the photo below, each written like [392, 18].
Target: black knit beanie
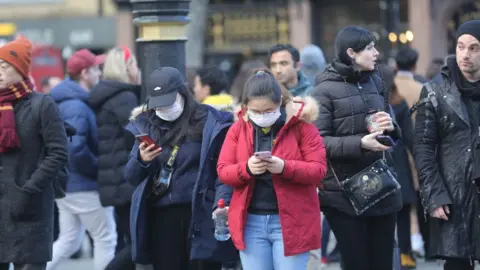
[469, 28]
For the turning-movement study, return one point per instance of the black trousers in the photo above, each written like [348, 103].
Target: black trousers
[458, 264]
[123, 256]
[365, 243]
[42, 266]
[403, 229]
[168, 239]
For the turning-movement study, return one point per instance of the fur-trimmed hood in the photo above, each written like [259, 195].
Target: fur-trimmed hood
[308, 114]
[137, 111]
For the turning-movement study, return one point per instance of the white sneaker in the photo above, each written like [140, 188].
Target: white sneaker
[417, 245]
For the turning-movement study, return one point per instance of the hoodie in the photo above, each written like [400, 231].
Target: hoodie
[313, 62]
[71, 99]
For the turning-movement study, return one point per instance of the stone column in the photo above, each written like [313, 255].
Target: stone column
[124, 27]
[420, 23]
[299, 13]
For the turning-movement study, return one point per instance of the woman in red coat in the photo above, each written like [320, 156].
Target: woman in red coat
[275, 159]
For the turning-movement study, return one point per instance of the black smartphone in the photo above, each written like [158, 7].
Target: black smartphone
[385, 140]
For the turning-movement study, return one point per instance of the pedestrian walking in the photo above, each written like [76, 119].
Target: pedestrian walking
[33, 149]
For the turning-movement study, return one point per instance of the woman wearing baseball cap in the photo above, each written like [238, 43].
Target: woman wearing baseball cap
[172, 164]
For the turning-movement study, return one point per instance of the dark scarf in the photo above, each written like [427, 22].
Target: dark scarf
[350, 73]
[470, 90]
[8, 133]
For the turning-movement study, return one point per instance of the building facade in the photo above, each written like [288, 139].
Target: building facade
[240, 29]
[65, 24]
[434, 23]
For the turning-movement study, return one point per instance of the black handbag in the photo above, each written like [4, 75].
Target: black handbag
[369, 186]
[372, 184]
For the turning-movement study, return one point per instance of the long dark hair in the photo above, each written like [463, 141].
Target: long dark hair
[354, 37]
[189, 124]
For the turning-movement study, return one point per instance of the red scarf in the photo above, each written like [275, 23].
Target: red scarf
[8, 134]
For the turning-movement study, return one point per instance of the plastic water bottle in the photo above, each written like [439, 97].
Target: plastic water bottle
[222, 233]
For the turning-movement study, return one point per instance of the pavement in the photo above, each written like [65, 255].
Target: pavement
[87, 264]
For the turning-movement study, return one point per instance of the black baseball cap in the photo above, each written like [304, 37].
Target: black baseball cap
[162, 87]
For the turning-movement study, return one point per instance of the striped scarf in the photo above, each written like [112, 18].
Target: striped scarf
[8, 133]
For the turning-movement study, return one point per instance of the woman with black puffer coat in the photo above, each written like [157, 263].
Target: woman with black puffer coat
[350, 92]
[113, 99]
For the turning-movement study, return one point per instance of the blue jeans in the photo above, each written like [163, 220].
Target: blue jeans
[264, 246]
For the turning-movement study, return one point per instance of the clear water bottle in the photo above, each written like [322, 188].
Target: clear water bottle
[222, 233]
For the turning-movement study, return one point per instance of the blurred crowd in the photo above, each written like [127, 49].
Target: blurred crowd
[374, 161]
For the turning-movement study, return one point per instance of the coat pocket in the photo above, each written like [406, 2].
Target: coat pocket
[27, 207]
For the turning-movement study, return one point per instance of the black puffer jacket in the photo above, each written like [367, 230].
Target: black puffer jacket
[342, 125]
[444, 155]
[113, 103]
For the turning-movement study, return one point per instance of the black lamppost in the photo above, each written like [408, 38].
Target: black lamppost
[390, 17]
[161, 34]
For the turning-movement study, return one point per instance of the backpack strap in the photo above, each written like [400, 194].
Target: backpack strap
[430, 97]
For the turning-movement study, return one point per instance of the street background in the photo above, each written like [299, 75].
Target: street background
[227, 33]
[84, 264]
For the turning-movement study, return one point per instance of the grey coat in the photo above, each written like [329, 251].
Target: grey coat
[26, 184]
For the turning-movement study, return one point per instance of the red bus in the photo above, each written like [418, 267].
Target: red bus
[46, 61]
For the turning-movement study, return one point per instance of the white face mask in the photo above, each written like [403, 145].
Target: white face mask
[264, 119]
[171, 113]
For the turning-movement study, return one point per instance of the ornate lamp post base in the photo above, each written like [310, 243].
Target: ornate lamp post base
[161, 34]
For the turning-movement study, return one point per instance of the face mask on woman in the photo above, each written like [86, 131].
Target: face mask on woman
[173, 112]
[264, 119]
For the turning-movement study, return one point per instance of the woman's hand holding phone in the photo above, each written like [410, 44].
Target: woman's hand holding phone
[256, 166]
[272, 164]
[275, 165]
[370, 142]
[149, 152]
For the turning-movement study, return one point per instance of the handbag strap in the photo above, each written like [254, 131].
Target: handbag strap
[335, 175]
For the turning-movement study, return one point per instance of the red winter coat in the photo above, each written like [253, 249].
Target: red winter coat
[300, 145]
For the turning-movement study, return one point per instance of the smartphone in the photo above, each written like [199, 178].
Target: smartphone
[263, 154]
[146, 139]
[385, 140]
